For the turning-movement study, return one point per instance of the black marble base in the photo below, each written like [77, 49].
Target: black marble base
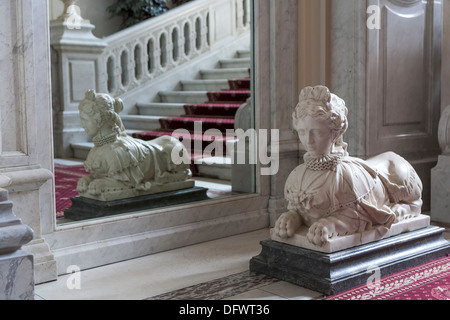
[336, 272]
[85, 208]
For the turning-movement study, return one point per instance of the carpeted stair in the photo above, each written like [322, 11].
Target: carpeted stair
[212, 100]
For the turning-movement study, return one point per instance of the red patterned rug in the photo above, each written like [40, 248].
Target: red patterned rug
[66, 180]
[430, 281]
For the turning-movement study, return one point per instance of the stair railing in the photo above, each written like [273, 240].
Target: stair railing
[145, 51]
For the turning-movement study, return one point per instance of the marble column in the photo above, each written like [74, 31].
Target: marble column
[16, 265]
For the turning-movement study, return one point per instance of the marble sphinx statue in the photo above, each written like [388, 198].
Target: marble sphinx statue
[333, 195]
[123, 167]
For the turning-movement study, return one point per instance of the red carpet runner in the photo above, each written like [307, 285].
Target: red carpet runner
[430, 281]
[216, 113]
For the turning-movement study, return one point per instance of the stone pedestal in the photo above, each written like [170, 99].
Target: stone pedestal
[331, 273]
[16, 276]
[85, 208]
[16, 266]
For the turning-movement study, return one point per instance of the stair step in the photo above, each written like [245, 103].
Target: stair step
[235, 63]
[229, 73]
[140, 122]
[161, 109]
[231, 96]
[193, 124]
[81, 149]
[240, 84]
[215, 168]
[243, 54]
[183, 96]
[212, 109]
[204, 85]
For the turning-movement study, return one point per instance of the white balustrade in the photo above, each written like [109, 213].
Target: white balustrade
[145, 51]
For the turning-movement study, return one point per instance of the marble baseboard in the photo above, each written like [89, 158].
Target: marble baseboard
[17, 276]
[159, 239]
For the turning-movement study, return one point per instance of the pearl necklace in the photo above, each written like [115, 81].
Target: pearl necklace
[323, 163]
[101, 141]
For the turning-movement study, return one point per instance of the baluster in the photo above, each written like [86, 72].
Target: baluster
[138, 67]
[198, 33]
[247, 14]
[177, 42]
[187, 36]
[239, 16]
[124, 65]
[163, 50]
[110, 71]
[151, 56]
[208, 29]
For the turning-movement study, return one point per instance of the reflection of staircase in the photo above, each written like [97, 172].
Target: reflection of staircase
[213, 99]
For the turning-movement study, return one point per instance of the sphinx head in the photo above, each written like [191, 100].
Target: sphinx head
[320, 119]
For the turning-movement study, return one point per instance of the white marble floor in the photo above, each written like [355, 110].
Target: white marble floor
[165, 272]
[172, 271]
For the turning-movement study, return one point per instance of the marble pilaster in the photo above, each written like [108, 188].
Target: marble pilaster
[440, 175]
[391, 87]
[276, 95]
[26, 157]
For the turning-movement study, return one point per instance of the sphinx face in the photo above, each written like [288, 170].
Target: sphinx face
[89, 124]
[316, 136]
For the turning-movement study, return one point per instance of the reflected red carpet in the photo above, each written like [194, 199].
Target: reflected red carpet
[66, 179]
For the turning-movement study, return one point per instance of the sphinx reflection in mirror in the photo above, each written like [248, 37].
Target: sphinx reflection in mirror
[332, 195]
[121, 166]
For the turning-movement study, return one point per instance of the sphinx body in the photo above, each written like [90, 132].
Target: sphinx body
[121, 166]
[129, 164]
[337, 196]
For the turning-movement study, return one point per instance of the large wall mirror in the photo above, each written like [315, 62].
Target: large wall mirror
[188, 70]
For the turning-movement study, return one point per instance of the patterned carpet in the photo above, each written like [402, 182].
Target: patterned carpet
[430, 281]
[66, 179]
[221, 288]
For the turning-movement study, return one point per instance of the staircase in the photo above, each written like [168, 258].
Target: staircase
[212, 100]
